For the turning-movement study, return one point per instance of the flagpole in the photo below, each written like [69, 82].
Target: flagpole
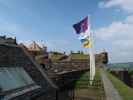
[90, 55]
[93, 55]
[92, 58]
[83, 29]
[90, 52]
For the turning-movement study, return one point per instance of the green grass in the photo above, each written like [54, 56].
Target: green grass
[79, 56]
[94, 91]
[84, 79]
[125, 91]
[97, 76]
[56, 57]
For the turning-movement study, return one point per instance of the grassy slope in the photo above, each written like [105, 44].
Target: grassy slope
[56, 57]
[125, 91]
[94, 92]
[84, 79]
[79, 56]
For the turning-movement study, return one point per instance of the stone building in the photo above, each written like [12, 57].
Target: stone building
[39, 53]
[35, 49]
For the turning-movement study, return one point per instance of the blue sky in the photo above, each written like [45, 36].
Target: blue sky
[50, 22]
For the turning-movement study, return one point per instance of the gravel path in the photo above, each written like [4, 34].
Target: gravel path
[110, 92]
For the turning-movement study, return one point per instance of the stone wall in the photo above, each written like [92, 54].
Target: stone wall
[15, 56]
[4, 39]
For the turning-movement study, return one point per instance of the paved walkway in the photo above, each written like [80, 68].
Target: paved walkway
[110, 92]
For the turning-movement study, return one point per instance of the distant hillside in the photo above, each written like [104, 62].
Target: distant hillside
[119, 64]
[128, 65]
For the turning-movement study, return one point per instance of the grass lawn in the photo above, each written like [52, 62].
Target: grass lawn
[56, 57]
[125, 91]
[79, 56]
[84, 90]
[84, 79]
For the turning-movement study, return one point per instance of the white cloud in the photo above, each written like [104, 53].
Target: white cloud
[119, 35]
[125, 5]
[117, 30]
[129, 19]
